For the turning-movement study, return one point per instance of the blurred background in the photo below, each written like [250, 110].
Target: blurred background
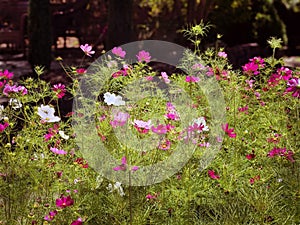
[37, 31]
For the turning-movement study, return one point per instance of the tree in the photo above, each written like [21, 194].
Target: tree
[39, 33]
[119, 23]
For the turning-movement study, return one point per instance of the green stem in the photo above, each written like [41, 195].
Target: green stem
[130, 200]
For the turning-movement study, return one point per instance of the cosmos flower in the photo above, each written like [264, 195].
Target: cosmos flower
[77, 222]
[230, 132]
[47, 114]
[118, 51]
[87, 49]
[58, 151]
[64, 201]
[50, 216]
[142, 126]
[112, 99]
[294, 87]
[143, 56]
[164, 75]
[212, 175]
[117, 186]
[192, 79]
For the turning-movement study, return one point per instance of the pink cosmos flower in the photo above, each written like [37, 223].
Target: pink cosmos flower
[222, 54]
[294, 86]
[149, 196]
[165, 77]
[195, 127]
[230, 132]
[192, 79]
[142, 126]
[50, 216]
[209, 72]
[149, 78]
[87, 49]
[212, 175]
[160, 129]
[64, 201]
[14, 89]
[123, 165]
[250, 83]
[171, 112]
[143, 56]
[77, 222]
[164, 145]
[257, 95]
[6, 74]
[3, 126]
[58, 151]
[118, 51]
[119, 119]
[59, 89]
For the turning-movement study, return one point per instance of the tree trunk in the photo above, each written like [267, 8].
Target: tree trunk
[119, 23]
[39, 33]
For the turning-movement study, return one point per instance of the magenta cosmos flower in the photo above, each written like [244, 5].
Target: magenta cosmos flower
[87, 49]
[64, 201]
[192, 79]
[3, 126]
[143, 56]
[77, 222]
[230, 131]
[123, 165]
[294, 86]
[6, 74]
[212, 175]
[59, 89]
[118, 51]
[252, 68]
[165, 76]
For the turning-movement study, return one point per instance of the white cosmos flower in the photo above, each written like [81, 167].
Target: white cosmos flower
[15, 103]
[201, 120]
[112, 99]
[47, 114]
[63, 135]
[117, 186]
